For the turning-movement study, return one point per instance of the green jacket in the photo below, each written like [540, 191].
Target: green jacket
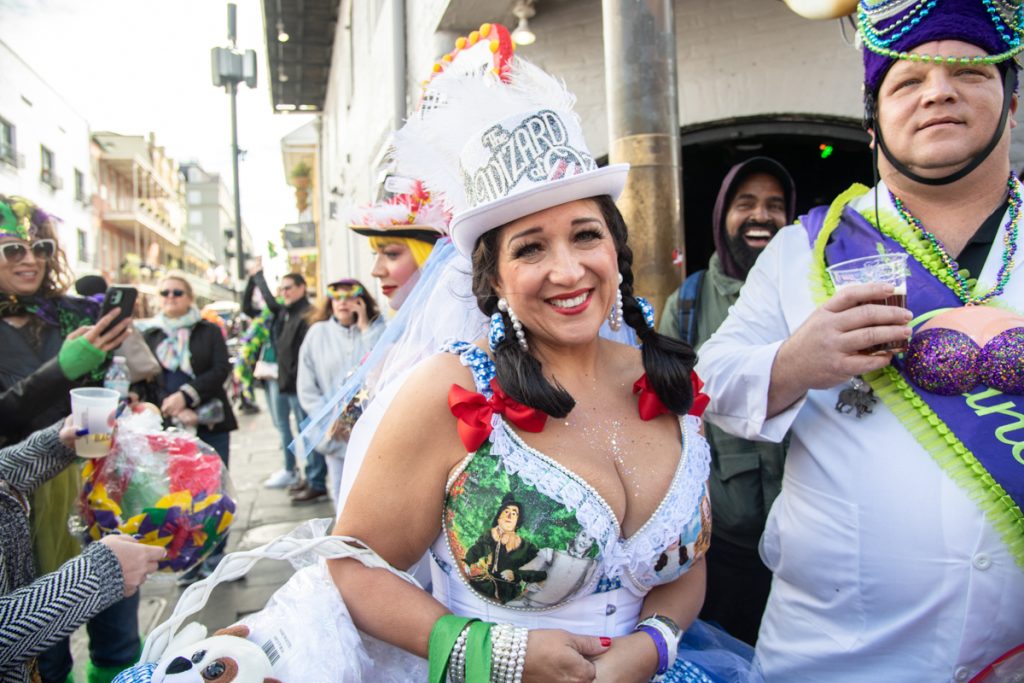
[746, 476]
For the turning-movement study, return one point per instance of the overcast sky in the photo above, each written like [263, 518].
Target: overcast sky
[135, 66]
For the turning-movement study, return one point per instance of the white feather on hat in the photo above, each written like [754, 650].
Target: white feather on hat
[517, 144]
[457, 106]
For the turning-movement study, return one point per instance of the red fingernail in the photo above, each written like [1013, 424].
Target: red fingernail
[606, 641]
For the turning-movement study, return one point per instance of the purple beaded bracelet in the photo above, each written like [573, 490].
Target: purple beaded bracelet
[660, 644]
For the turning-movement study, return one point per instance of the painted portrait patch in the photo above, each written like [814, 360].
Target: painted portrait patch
[513, 545]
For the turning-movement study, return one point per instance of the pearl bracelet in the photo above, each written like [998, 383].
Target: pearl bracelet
[457, 663]
[508, 653]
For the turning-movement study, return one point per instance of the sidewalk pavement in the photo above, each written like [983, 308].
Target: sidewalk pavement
[261, 515]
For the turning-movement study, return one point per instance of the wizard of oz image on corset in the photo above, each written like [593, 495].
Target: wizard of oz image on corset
[514, 545]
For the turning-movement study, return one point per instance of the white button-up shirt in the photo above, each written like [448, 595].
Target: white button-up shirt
[883, 566]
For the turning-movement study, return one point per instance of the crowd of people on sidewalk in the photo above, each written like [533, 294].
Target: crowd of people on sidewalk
[787, 478]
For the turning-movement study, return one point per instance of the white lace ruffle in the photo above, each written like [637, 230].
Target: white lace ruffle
[637, 555]
[679, 509]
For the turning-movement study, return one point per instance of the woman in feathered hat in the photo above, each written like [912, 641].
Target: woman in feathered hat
[402, 232]
[591, 436]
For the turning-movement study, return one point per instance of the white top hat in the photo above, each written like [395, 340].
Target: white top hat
[492, 167]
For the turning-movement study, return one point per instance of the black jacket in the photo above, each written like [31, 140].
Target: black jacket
[288, 331]
[210, 364]
[34, 393]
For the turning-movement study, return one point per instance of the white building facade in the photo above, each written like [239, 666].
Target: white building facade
[45, 156]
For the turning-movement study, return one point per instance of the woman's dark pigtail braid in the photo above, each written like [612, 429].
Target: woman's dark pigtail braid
[520, 375]
[667, 361]
[522, 378]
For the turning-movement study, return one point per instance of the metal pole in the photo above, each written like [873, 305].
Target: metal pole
[232, 33]
[233, 92]
[643, 130]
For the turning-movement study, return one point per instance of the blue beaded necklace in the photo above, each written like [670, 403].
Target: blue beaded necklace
[961, 286]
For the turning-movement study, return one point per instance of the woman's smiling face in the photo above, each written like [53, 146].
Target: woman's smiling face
[24, 276]
[558, 270]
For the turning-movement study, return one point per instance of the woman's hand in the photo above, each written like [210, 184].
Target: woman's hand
[188, 417]
[67, 433]
[363, 321]
[630, 658]
[173, 404]
[555, 656]
[137, 561]
[111, 338]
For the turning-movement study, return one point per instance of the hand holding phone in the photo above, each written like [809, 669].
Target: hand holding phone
[119, 296]
[112, 334]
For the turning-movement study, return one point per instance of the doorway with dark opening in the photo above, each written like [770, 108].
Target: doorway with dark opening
[825, 155]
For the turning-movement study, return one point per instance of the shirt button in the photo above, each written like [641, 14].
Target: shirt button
[609, 610]
[962, 673]
[981, 561]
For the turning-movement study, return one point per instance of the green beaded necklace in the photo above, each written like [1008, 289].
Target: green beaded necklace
[960, 284]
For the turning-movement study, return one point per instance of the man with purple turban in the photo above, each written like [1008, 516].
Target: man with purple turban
[897, 543]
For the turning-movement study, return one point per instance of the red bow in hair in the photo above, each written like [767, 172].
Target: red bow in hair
[700, 399]
[473, 412]
[650, 405]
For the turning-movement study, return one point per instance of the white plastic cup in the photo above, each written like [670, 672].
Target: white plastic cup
[94, 410]
[888, 268]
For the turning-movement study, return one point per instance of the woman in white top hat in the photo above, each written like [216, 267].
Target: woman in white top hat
[554, 475]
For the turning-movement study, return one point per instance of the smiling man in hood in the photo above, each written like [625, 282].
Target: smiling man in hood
[755, 201]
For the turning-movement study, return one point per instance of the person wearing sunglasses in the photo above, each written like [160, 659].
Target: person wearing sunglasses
[342, 331]
[52, 342]
[195, 363]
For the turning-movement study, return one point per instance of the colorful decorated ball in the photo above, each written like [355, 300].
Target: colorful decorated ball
[167, 489]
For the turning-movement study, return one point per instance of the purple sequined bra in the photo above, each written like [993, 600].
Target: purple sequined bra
[948, 362]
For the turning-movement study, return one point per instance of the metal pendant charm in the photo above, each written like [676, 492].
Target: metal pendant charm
[859, 397]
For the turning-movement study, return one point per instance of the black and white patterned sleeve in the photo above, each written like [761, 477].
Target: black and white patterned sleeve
[36, 616]
[28, 464]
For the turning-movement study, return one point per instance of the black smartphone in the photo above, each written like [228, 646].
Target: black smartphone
[119, 296]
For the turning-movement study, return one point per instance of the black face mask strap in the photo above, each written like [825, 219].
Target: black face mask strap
[1009, 85]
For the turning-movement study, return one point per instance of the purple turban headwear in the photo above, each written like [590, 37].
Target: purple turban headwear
[891, 28]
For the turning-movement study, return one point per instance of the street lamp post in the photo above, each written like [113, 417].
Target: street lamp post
[231, 67]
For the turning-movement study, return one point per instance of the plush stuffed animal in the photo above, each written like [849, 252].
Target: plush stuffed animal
[226, 657]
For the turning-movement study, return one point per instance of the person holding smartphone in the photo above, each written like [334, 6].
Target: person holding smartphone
[342, 331]
[52, 343]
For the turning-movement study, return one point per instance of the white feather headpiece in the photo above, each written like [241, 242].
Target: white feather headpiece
[457, 107]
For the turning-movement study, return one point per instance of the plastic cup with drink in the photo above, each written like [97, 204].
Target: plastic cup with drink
[93, 412]
[885, 268]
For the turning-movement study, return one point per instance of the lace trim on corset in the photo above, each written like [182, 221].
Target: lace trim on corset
[680, 506]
